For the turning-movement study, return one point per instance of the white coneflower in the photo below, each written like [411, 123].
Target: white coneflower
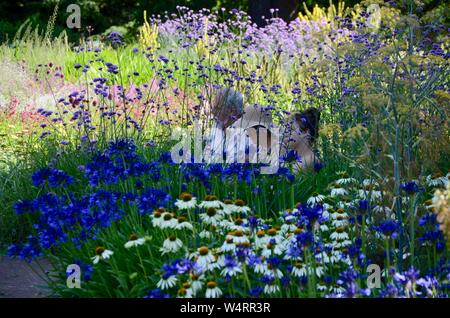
[273, 272]
[156, 217]
[299, 269]
[339, 213]
[373, 194]
[211, 202]
[212, 290]
[321, 287]
[338, 191]
[271, 288]
[212, 216]
[345, 181]
[171, 245]
[228, 245]
[382, 209]
[238, 225]
[437, 180]
[340, 220]
[101, 254]
[196, 282]
[205, 234]
[261, 239]
[339, 290]
[369, 183]
[186, 201]
[134, 241]
[205, 257]
[183, 224]
[316, 198]
[167, 282]
[289, 224]
[238, 237]
[184, 292]
[229, 207]
[168, 221]
[319, 270]
[339, 233]
[241, 207]
[338, 243]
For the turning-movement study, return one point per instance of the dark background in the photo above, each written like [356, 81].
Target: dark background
[102, 14]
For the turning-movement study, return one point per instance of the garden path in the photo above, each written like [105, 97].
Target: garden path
[18, 280]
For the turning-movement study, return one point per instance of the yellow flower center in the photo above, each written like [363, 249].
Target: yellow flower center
[99, 250]
[211, 285]
[239, 202]
[133, 237]
[210, 197]
[211, 211]
[203, 250]
[260, 233]
[186, 196]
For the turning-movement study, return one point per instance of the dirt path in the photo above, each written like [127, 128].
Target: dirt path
[18, 280]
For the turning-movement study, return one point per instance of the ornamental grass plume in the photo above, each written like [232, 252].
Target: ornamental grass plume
[441, 207]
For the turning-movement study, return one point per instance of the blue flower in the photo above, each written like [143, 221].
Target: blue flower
[151, 199]
[410, 187]
[388, 228]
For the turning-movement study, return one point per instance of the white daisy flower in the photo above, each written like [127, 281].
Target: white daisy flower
[271, 289]
[171, 245]
[205, 257]
[185, 292]
[339, 214]
[340, 220]
[196, 282]
[167, 282]
[437, 180]
[339, 233]
[183, 224]
[212, 216]
[186, 201]
[344, 181]
[289, 224]
[212, 291]
[341, 243]
[321, 287]
[370, 183]
[205, 234]
[156, 217]
[315, 199]
[241, 207]
[382, 209]
[229, 207]
[238, 237]
[338, 192]
[102, 254]
[168, 221]
[134, 241]
[228, 245]
[211, 202]
[373, 194]
[261, 239]
[299, 270]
